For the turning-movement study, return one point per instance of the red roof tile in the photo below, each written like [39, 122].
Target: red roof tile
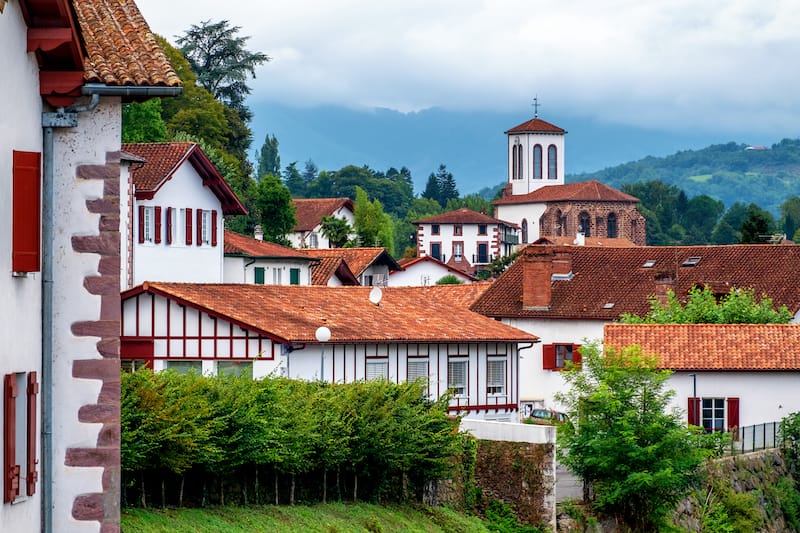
[120, 48]
[163, 159]
[757, 347]
[592, 191]
[309, 211]
[293, 313]
[324, 268]
[606, 276]
[358, 259]
[237, 244]
[536, 125]
[463, 216]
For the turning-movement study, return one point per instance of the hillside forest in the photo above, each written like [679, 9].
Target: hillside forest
[722, 194]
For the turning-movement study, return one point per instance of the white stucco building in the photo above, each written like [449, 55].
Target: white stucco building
[309, 212]
[425, 270]
[60, 165]
[252, 260]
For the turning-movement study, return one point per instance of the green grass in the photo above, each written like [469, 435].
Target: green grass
[330, 518]
[700, 178]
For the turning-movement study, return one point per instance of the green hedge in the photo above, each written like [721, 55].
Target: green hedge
[194, 440]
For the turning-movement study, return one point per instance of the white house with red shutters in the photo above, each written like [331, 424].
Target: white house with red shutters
[178, 200]
[60, 166]
[465, 240]
[725, 376]
[567, 294]
[398, 334]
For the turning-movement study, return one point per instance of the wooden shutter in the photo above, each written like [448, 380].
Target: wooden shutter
[576, 354]
[169, 225]
[199, 227]
[214, 227]
[694, 411]
[733, 414]
[32, 474]
[157, 224]
[141, 224]
[549, 356]
[10, 468]
[26, 206]
[188, 225]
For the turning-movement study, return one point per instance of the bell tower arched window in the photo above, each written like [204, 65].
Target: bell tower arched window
[537, 162]
[612, 225]
[552, 162]
[516, 162]
[586, 224]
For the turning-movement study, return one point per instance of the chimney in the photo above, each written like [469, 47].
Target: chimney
[537, 270]
[665, 281]
[562, 261]
[258, 233]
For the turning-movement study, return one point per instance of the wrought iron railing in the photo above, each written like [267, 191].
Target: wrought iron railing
[756, 437]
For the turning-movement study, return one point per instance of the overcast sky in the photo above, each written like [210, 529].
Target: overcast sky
[665, 64]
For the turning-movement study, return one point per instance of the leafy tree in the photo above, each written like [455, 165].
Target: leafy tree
[310, 171]
[739, 306]
[269, 161]
[790, 216]
[639, 458]
[432, 191]
[373, 227]
[449, 279]
[474, 202]
[441, 186]
[727, 230]
[336, 230]
[294, 180]
[758, 226]
[219, 57]
[272, 207]
[700, 217]
[142, 122]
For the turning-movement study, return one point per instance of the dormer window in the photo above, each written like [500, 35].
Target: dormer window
[692, 261]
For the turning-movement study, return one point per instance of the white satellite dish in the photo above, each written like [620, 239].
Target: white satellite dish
[375, 295]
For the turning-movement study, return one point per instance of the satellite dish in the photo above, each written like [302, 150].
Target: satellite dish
[375, 295]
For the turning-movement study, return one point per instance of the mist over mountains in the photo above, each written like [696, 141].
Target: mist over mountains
[471, 144]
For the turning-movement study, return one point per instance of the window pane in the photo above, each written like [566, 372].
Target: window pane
[457, 377]
[235, 368]
[495, 376]
[377, 370]
[184, 367]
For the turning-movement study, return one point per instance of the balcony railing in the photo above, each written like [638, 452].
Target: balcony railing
[510, 238]
[482, 259]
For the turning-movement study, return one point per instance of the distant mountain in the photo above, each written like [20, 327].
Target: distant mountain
[766, 176]
[471, 144]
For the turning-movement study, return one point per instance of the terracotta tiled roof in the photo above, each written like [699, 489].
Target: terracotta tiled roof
[293, 313]
[588, 241]
[607, 282]
[163, 159]
[592, 191]
[406, 263]
[120, 48]
[757, 347]
[324, 268]
[463, 216]
[309, 212]
[237, 244]
[358, 259]
[536, 125]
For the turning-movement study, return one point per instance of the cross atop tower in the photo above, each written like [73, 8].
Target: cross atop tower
[536, 105]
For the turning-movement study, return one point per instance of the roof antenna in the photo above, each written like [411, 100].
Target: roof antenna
[536, 105]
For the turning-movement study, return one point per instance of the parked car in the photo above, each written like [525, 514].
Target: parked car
[546, 417]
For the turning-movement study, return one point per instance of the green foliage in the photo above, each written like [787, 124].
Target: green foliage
[639, 457]
[790, 439]
[270, 204]
[269, 161]
[739, 306]
[441, 186]
[372, 226]
[219, 57]
[385, 435]
[142, 122]
[757, 227]
[789, 498]
[449, 279]
[336, 230]
[502, 519]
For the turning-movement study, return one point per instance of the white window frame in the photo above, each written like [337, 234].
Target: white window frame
[313, 240]
[149, 224]
[460, 387]
[496, 376]
[418, 368]
[206, 228]
[377, 368]
[276, 276]
[715, 411]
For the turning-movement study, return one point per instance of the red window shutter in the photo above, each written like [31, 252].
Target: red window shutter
[694, 411]
[199, 227]
[733, 414]
[141, 224]
[10, 469]
[157, 216]
[32, 473]
[169, 226]
[188, 225]
[549, 356]
[576, 354]
[214, 227]
[26, 202]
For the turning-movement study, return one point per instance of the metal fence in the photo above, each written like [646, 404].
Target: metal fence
[757, 437]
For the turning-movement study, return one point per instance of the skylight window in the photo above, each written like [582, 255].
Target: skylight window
[609, 305]
[692, 261]
[650, 263]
